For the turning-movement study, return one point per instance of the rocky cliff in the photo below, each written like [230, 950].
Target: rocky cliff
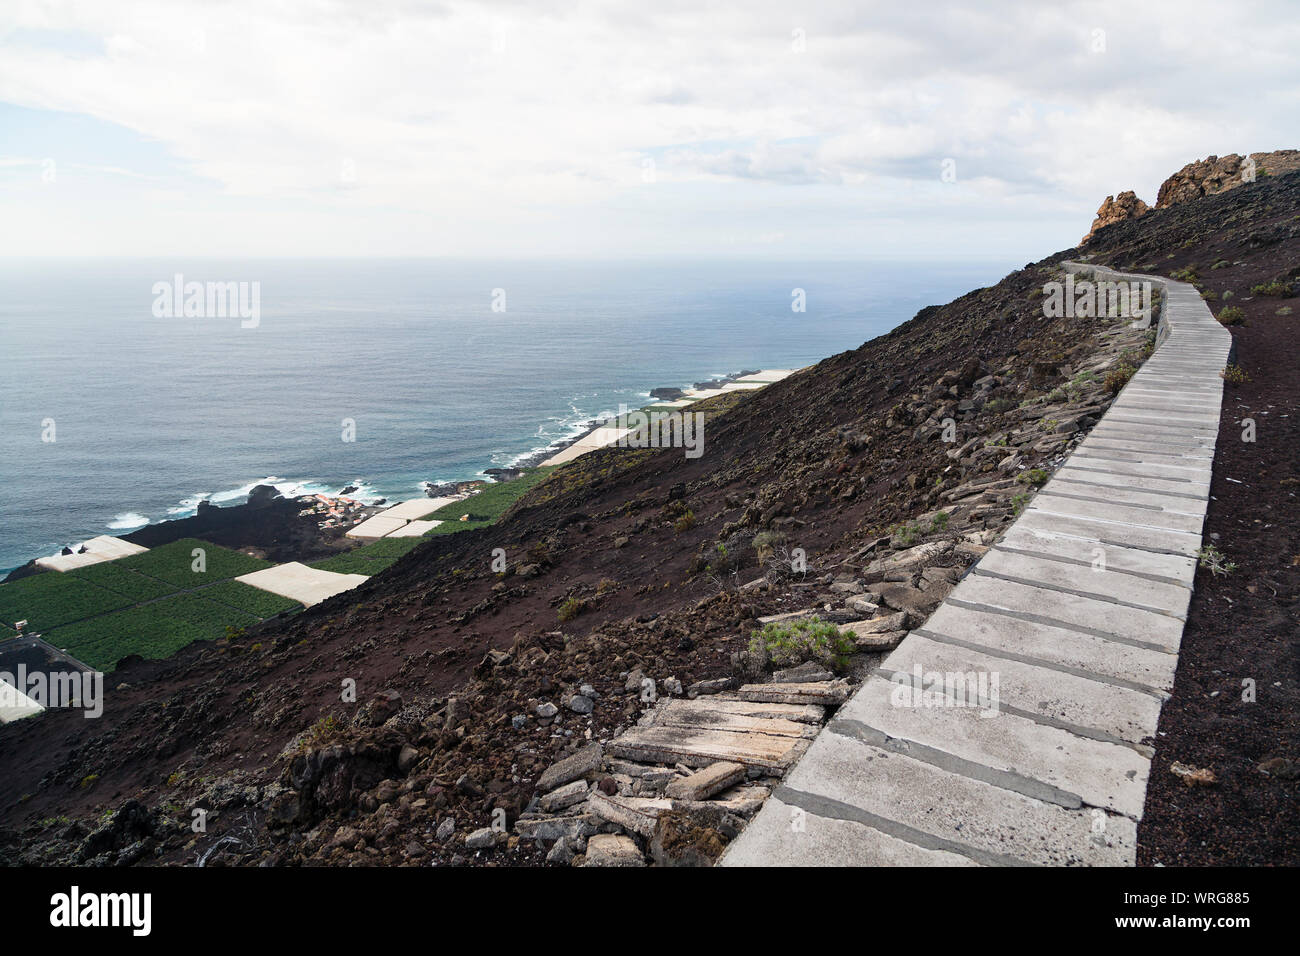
[1204, 177]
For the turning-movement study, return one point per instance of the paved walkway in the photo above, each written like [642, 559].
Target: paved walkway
[1072, 623]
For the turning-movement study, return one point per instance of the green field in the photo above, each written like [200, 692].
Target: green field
[112, 576]
[49, 599]
[154, 630]
[150, 604]
[247, 598]
[369, 558]
[173, 563]
[488, 505]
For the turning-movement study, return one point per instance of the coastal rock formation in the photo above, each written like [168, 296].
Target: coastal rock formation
[1216, 174]
[1205, 177]
[1115, 209]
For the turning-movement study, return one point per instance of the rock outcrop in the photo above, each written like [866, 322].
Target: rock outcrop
[1116, 209]
[1205, 177]
[1219, 174]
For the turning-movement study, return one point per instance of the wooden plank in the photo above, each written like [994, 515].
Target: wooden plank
[832, 692]
[671, 715]
[731, 704]
[699, 748]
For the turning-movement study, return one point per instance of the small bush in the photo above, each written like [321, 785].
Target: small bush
[766, 542]
[685, 522]
[1118, 377]
[786, 645]
[1282, 290]
[1231, 315]
[571, 608]
[1234, 375]
[1034, 477]
[1212, 559]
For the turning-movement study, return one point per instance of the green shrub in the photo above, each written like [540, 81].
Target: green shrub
[786, 645]
[1231, 315]
[1283, 290]
[571, 608]
[1234, 375]
[1034, 476]
[766, 542]
[685, 522]
[1118, 377]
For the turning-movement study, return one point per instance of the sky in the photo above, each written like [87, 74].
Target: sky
[790, 130]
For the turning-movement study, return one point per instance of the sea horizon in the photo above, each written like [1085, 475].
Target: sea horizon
[439, 385]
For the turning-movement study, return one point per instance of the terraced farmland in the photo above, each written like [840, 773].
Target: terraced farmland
[151, 604]
[174, 563]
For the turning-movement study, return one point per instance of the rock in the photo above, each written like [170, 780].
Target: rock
[715, 686]
[807, 671]
[546, 710]
[1116, 209]
[910, 560]
[561, 852]
[1193, 776]
[481, 839]
[446, 829]
[458, 711]
[633, 682]
[901, 621]
[637, 814]
[585, 761]
[884, 641]
[407, 758]
[904, 597]
[1216, 174]
[672, 686]
[822, 692]
[519, 721]
[380, 708]
[564, 797]
[862, 604]
[546, 830]
[705, 783]
[579, 704]
[609, 849]
[1280, 767]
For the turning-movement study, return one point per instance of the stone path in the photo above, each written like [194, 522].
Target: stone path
[1014, 727]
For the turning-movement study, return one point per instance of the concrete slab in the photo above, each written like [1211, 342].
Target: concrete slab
[413, 529]
[101, 548]
[416, 508]
[15, 705]
[1088, 706]
[1071, 611]
[785, 835]
[375, 528]
[1137, 661]
[300, 583]
[1174, 568]
[1097, 773]
[1097, 580]
[1167, 520]
[937, 809]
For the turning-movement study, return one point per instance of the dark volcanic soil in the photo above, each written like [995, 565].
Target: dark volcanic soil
[1244, 627]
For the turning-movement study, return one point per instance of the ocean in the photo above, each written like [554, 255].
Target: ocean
[115, 413]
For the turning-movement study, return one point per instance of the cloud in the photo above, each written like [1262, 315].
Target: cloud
[515, 120]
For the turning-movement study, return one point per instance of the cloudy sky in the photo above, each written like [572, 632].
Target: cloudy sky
[537, 128]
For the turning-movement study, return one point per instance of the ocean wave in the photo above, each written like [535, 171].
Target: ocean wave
[128, 520]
